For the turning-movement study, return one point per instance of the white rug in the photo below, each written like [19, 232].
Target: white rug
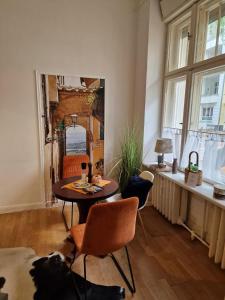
[15, 264]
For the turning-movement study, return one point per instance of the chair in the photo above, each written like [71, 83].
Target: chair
[150, 177]
[109, 227]
[146, 175]
[72, 167]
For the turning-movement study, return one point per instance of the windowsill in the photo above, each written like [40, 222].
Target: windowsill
[204, 191]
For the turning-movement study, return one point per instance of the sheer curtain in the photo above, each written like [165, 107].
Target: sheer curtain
[175, 135]
[211, 150]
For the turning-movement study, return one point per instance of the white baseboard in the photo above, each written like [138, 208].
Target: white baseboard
[20, 207]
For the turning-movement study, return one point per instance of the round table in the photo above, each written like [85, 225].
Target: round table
[84, 201]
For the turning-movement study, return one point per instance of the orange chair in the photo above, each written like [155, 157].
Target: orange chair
[109, 227]
[72, 167]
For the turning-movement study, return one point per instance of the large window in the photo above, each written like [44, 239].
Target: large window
[194, 96]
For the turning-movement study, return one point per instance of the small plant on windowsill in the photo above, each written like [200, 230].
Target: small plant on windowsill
[130, 160]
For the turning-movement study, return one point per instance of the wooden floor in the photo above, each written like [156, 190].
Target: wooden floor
[169, 267]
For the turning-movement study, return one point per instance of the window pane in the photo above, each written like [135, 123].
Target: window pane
[178, 43]
[174, 102]
[210, 49]
[173, 114]
[208, 103]
[211, 30]
[206, 133]
[221, 47]
[211, 150]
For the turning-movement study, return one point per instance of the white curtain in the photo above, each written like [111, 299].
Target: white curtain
[175, 135]
[211, 150]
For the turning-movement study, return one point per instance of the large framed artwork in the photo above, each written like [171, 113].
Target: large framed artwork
[71, 112]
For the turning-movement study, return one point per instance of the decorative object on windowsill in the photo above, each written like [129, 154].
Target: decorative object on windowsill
[162, 146]
[154, 168]
[193, 176]
[174, 166]
[219, 191]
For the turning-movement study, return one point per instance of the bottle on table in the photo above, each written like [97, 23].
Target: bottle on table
[83, 172]
[89, 172]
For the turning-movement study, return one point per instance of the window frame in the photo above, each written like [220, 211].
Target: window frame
[193, 67]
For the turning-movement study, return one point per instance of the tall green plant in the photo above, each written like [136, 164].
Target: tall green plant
[131, 158]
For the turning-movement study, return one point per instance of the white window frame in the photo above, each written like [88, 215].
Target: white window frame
[191, 69]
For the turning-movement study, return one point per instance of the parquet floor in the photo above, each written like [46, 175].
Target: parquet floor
[169, 267]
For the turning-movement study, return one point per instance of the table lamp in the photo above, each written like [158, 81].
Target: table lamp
[162, 146]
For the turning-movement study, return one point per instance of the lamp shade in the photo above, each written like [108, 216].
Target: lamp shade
[164, 145]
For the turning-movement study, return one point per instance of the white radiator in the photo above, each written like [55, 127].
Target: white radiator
[171, 200]
[217, 243]
[166, 198]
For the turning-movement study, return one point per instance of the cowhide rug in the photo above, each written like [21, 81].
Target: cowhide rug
[30, 277]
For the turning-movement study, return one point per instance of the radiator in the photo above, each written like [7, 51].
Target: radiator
[171, 200]
[217, 243]
[166, 198]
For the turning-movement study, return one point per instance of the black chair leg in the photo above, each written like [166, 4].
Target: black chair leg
[132, 287]
[73, 258]
[85, 277]
[64, 217]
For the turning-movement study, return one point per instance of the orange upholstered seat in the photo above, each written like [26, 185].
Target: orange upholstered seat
[72, 167]
[109, 227]
[72, 164]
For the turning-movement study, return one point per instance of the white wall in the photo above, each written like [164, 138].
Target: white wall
[154, 81]
[73, 37]
[143, 13]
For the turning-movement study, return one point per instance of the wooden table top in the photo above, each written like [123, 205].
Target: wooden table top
[73, 196]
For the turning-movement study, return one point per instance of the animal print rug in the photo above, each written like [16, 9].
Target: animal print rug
[30, 277]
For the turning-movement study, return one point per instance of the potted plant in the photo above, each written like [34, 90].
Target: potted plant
[130, 159]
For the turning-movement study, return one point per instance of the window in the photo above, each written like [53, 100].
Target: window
[207, 113]
[76, 140]
[207, 101]
[178, 43]
[173, 113]
[194, 89]
[211, 31]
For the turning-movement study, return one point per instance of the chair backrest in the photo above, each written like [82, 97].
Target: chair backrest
[147, 176]
[110, 226]
[139, 186]
[72, 164]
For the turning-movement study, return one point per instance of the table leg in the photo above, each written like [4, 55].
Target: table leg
[83, 211]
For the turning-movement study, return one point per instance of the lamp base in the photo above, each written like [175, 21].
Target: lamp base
[160, 161]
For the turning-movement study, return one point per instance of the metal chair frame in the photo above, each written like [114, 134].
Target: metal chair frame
[131, 286]
[64, 217]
